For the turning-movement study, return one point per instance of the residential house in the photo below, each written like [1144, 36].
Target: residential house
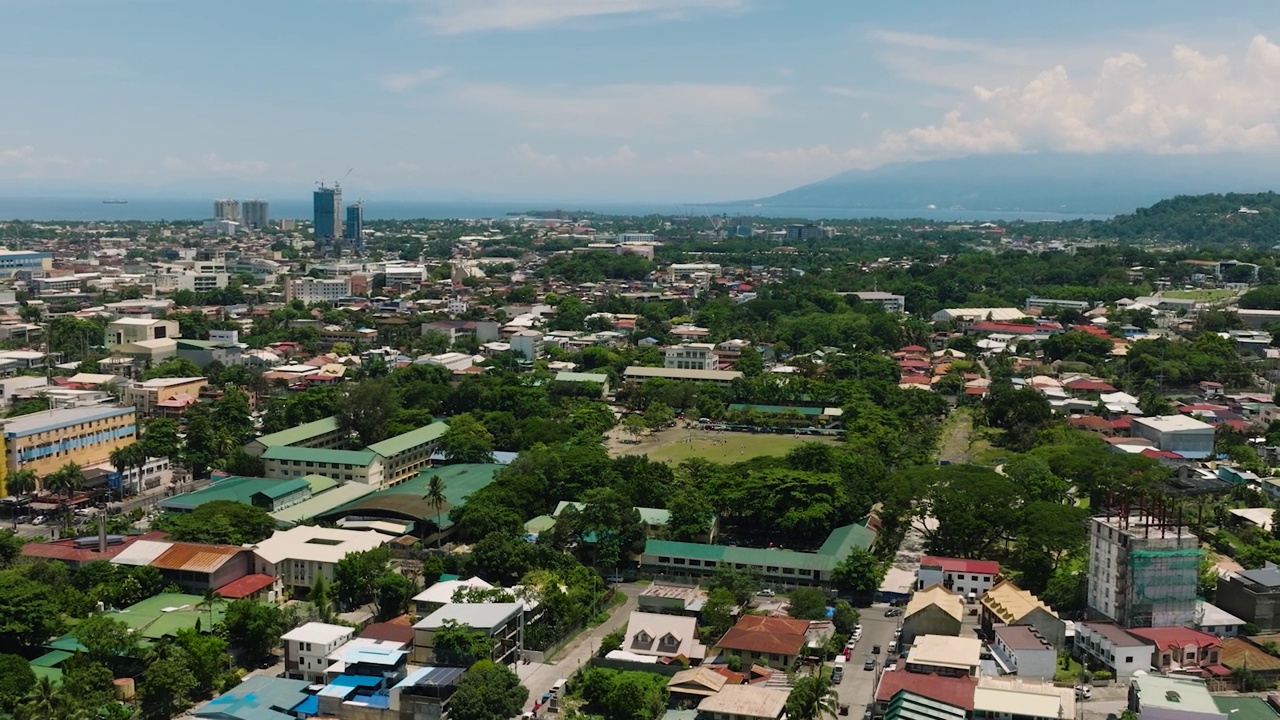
[672, 599]
[695, 683]
[1024, 652]
[1214, 620]
[307, 649]
[504, 622]
[945, 655]
[148, 396]
[664, 636]
[967, 578]
[259, 697]
[770, 641]
[1112, 647]
[744, 702]
[1178, 649]
[932, 611]
[130, 330]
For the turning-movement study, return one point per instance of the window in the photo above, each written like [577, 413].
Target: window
[662, 559]
[1129, 659]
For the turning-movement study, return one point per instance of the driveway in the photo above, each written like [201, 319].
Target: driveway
[539, 677]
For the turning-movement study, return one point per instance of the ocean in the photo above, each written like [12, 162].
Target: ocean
[51, 209]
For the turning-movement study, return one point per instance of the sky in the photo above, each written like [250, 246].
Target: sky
[605, 100]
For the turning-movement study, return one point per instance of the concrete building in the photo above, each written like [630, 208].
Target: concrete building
[45, 441]
[1033, 303]
[15, 261]
[323, 433]
[255, 213]
[1186, 436]
[1024, 652]
[1111, 646]
[1159, 697]
[307, 649]
[441, 593]
[298, 555]
[125, 331]
[1252, 595]
[327, 213]
[527, 344]
[638, 373]
[965, 316]
[691, 356]
[1181, 649]
[967, 578]
[1142, 573]
[226, 210]
[315, 290]
[932, 611]
[890, 302]
[362, 466]
[194, 567]
[945, 655]
[504, 622]
[149, 396]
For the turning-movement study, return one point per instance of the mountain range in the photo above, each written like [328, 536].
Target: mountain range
[1069, 183]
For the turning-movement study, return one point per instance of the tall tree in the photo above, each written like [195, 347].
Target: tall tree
[457, 645]
[254, 627]
[365, 409]
[22, 482]
[488, 691]
[355, 574]
[859, 573]
[811, 698]
[435, 499]
[467, 441]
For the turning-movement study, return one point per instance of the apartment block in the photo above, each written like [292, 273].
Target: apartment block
[126, 331]
[45, 441]
[691, 356]
[315, 290]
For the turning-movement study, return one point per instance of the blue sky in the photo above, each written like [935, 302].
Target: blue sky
[645, 100]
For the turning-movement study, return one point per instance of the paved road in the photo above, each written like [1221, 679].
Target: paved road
[857, 688]
[539, 677]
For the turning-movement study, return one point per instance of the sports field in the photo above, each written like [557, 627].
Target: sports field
[677, 444]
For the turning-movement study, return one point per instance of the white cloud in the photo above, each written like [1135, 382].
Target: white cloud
[622, 110]
[26, 162]
[233, 167]
[542, 161]
[406, 81]
[620, 158]
[452, 17]
[1184, 102]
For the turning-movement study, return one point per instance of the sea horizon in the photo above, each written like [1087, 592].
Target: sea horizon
[130, 209]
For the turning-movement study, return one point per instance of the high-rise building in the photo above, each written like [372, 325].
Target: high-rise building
[327, 222]
[256, 213]
[1142, 572]
[354, 229]
[226, 210]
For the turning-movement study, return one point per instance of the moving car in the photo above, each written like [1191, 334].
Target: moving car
[892, 612]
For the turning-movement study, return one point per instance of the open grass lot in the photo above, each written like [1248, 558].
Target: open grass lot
[1200, 295]
[670, 446]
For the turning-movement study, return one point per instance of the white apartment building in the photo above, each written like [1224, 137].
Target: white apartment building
[890, 302]
[307, 649]
[133, 330]
[314, 290]
[691, 356]
[1108, 644]
[527, 344]
[298, 555]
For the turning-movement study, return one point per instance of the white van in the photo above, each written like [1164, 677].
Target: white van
[893, 647]
[838, 671]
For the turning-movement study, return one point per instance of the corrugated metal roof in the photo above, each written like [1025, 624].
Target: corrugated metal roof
[142, 552]
[400, 443]
[301, 433]
[194, 557]
[360, 458]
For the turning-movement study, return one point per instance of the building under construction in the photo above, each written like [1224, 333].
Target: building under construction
[1143, 570]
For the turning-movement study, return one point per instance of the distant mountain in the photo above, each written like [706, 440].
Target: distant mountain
[1039, 182]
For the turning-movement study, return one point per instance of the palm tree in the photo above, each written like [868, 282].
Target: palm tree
[71, 478]
[43, 700]
[434, 497]
[22, 482]
[211, 599]
[812, 698]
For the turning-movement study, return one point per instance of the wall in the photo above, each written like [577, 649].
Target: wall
[1235, 597]
[88, 454]
[1036, 663]
[931, 620]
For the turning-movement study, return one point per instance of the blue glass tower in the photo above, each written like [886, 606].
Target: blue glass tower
[327, 222]
[354, 229]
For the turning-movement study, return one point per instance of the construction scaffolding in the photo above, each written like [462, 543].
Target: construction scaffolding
[1160, 583]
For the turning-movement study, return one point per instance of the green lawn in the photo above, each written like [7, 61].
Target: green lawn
[1070, 674]
[674, 446]
[1200, 295]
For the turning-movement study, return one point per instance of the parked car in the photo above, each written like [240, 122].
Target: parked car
[765, 593]
[40, 520]
[1084, 692]
[869, 664]
[850, 645]
[615, 579]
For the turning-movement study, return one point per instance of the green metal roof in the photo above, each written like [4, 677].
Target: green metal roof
[287, 487]
[405, 500]
[301, 433]
[237, 489]
[167, 613]
[776, 409]
[566, 376]
[320, 483]
[53, 658]
[909, 706]
[361, 458]
[540, 524]
[407, 441]
[1235, 707]
[322, 503]
[54, 674]
[838, 544]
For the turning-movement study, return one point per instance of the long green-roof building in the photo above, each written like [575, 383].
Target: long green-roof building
[783, 568]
